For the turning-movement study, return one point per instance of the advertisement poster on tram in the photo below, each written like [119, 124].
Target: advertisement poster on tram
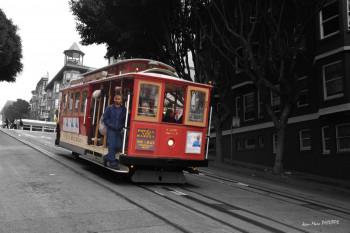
[145, 139]
[193, 142]
[71, 124]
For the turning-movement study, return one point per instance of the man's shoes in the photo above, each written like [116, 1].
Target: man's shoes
[104, 161]
[115, 167]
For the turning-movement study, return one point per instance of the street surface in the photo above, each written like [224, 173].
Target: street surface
[44, 189]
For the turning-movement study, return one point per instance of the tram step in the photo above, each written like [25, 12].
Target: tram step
[145, 176]
[98, 161]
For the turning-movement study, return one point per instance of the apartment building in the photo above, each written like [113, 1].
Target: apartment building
[318, 133]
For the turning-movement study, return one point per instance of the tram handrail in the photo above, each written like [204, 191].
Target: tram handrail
[208, 135]
[126, 123]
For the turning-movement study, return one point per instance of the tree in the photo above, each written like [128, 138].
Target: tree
[154, 29]
[10, 50]
[17, 110]
[262, 39]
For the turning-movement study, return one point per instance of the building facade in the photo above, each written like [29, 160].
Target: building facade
[38, 103]
[318, 132]
[72, 69]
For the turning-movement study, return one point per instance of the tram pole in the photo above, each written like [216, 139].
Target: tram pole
[108, 102]
[98, 117]
[208, 136]
[126, 123]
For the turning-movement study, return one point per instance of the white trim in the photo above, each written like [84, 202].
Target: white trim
[292, 120]
[334, 109]
[334, 51]
[243, 84]
[322, 36]
[324, 150]
[301, 139]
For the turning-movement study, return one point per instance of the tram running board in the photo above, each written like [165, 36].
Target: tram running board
[146, 176]
[122, 168]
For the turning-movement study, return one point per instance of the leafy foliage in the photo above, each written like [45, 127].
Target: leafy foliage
[10, 50]
[154, 29]
[17, 110]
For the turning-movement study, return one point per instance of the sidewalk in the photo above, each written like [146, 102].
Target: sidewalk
[304, 180]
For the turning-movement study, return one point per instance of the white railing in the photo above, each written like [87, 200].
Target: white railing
[34, 125]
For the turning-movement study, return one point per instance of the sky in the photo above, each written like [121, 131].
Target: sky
[46, 28]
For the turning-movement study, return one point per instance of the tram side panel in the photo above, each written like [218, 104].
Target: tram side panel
[165, 145]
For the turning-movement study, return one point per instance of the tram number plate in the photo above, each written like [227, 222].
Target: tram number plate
[145, 139]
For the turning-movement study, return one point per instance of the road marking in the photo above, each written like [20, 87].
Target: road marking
[178, 193]
[243, 184]
[159, 193]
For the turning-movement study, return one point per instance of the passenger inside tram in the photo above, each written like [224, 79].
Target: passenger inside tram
[169, 116]
[144, 110]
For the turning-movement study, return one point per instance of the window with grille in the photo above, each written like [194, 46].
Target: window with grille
[343, 138]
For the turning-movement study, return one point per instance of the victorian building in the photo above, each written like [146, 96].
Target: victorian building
[72, 69]
[38, 103]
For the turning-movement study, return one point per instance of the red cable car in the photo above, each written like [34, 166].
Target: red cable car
[166, 124]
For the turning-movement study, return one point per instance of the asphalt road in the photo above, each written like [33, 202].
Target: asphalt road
[43, 189]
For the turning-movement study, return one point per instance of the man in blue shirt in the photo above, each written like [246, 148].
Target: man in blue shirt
[114, 118]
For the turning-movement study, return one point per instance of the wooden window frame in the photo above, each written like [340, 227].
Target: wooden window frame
[71, 112]
[187, 106]
[64, 110]
[160, 93]
[73, 108]
[81, 113]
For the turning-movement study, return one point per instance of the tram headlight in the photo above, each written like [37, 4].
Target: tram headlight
[171, 142]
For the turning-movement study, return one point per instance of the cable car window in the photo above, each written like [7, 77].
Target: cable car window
[197, 102]
[196, 106]
[173, 103]
[76, 101]
[148, 101]
[83, 101]
[64, 104]
[70, 102]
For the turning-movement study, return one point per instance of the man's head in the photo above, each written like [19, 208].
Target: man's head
[145, 107]
[117, 100]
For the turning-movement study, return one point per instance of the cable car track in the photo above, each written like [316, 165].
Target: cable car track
[219, 208]
[278, 194]
[258, 221]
